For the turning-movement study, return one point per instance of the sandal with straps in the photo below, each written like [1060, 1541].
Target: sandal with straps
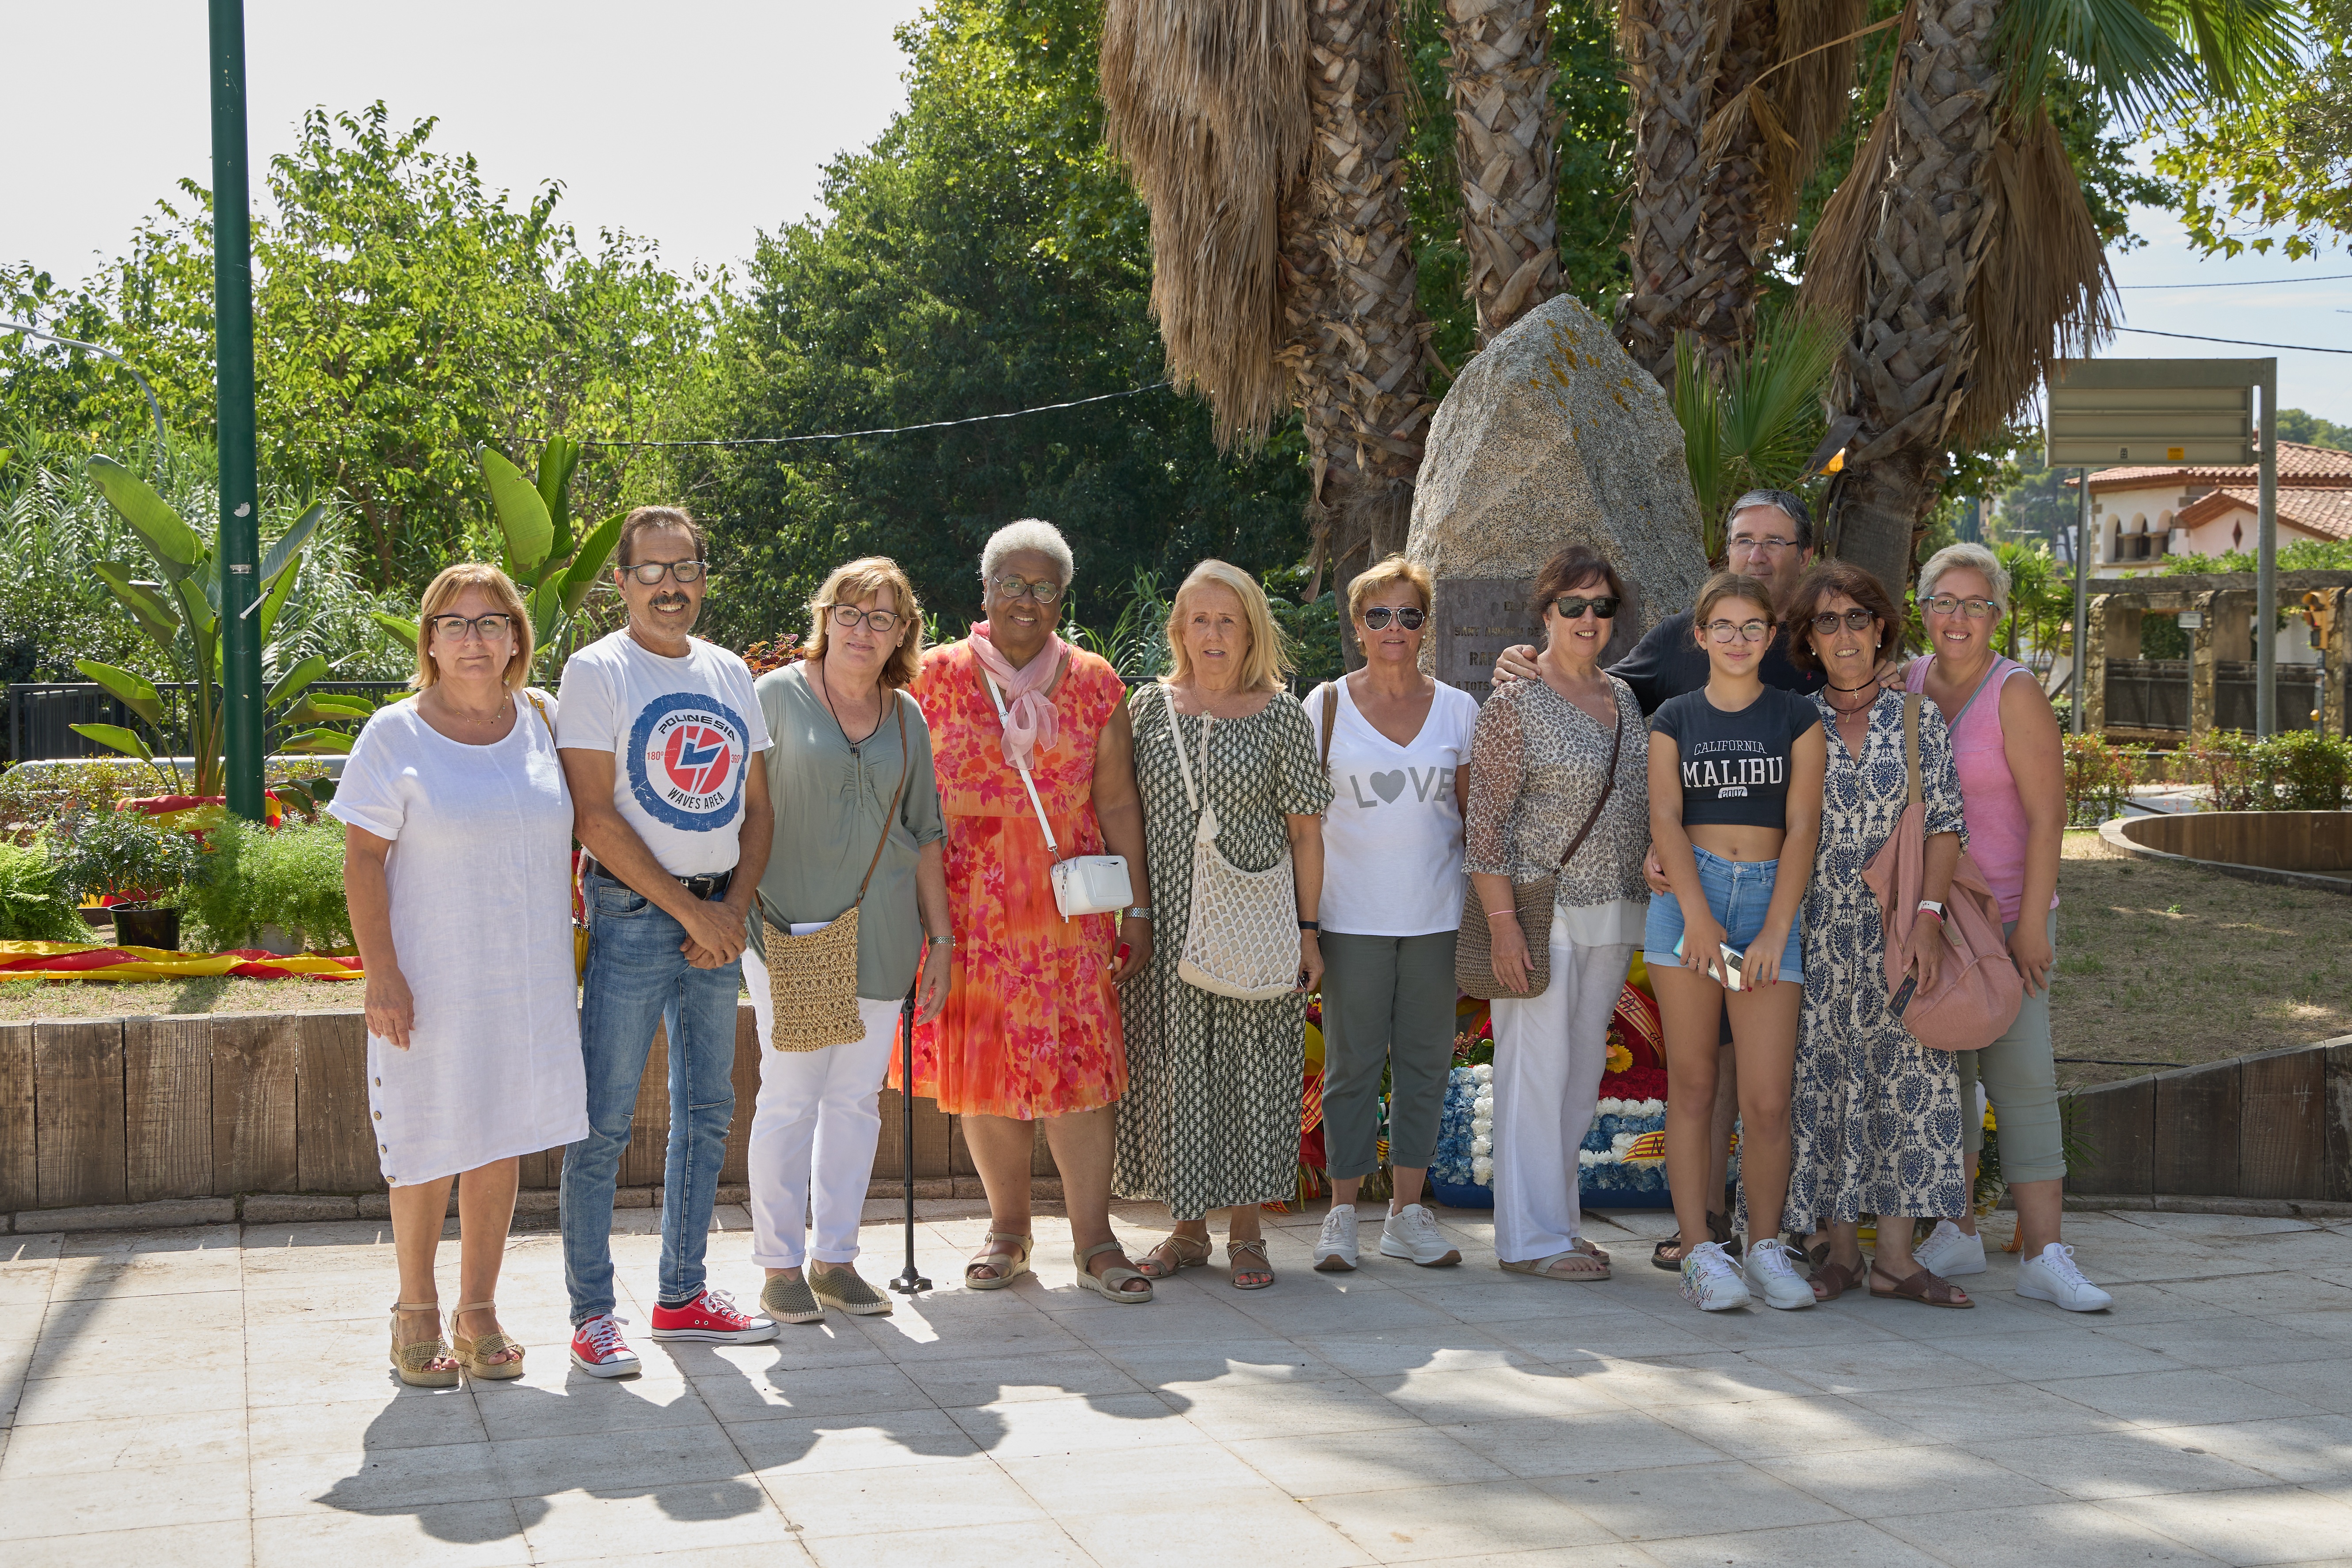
[1109, 1282]
[1172, 1255]
[414, 1361]
[1927, 1288]
[476, 1354]
[1831, 1280]
[1233, 1250]
[1009, 1265]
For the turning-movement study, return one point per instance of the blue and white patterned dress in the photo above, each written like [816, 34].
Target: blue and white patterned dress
[1875, 1125]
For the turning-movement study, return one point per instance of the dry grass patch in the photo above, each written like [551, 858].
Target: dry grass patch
[23, 999]
[2168, 964]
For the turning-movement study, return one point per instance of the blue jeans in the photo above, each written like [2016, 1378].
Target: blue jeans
[635, 975]
[1739, 893]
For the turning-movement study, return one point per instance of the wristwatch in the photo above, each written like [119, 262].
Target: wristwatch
[1930, 906]
[1140, 912]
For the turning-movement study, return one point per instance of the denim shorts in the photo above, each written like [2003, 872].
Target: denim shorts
[1738, 894]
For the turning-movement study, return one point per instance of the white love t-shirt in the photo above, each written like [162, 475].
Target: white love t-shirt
[682, 732]
[1392, 837]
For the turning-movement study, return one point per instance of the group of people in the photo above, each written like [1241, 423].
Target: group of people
[918, 803]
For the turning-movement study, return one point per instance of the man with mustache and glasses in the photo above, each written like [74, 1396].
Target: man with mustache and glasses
[1770, 539]
[661, 737]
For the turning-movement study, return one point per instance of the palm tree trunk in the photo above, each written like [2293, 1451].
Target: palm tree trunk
[1670, 69]
[1911, 228]
[1721, 305]
[1357, 337]
[1498, 68]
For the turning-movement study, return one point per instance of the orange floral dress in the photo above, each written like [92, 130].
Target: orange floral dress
[1032, 1026]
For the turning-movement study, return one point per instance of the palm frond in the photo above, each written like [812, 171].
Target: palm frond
[1753, 421]
[2130, 60]
[2245, 49]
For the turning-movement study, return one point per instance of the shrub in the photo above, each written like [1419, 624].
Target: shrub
[125, 855]
[33, 908]
[2099, 778]
[32, 798]
[2301, 770]
[291, 879]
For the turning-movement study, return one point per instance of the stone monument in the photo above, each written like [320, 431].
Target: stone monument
[1551, 436]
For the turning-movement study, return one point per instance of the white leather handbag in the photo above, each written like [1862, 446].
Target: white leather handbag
[1083, 884]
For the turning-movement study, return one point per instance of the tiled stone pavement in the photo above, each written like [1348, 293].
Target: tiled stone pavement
[203, 1395]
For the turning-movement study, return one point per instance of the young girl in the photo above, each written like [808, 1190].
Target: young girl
[1735, 790]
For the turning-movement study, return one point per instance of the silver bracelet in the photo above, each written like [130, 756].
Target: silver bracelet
[1140, 912]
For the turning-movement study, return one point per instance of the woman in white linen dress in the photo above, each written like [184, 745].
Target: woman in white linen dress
[457, 864]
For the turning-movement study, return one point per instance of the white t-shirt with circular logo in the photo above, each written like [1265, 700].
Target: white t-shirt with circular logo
[1392, 836]
[682, 732]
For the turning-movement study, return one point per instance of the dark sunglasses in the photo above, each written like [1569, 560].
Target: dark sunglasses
[1857, 620]
[1379, 615]
[1571, 607]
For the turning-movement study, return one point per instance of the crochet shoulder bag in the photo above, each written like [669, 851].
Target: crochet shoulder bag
[1241, 936]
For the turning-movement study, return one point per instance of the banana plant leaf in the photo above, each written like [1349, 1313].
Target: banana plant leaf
[155, 615]
[290, 684]
[402, 631]
[135, 692]
[322, 709]
[317, 742]
[275, 601]
[288, 548]
[127, 742]
[587, 568]
[557, 459]
[175, 545]
[522, 517]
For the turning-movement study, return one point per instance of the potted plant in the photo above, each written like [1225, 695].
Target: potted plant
[131, 857]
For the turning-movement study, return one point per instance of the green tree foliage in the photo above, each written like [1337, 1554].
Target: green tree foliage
[2294, 425]
[983, 255]
[405, 315]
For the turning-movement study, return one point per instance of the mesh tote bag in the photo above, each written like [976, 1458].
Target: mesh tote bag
[813, 979]
[1241, 938]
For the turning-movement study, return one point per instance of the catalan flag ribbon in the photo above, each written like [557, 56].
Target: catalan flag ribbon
[82, 960]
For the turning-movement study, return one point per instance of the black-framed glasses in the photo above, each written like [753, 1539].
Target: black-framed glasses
[649, 572]
[1742, 631]
[1751, 545]
[457, 628]
[1946, 604]
[1826, 623]
[1022, 588]
[1571, 607]
[1379, 616]
[881, 622]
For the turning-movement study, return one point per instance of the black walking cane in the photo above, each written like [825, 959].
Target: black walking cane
[908, 1282]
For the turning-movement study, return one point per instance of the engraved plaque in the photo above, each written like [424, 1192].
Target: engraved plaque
[1472, 619]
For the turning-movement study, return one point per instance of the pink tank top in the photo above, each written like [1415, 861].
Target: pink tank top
[1989, 797]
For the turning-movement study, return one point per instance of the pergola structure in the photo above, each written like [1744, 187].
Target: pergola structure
[2222, 668]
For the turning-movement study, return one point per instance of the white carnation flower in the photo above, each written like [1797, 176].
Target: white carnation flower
[1481, 1172]
[1482, 1145]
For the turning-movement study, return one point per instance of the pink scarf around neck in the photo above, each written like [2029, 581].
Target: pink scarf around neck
[1030, 722]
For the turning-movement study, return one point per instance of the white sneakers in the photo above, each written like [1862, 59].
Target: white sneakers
[1773, 1276]
[1411, 1233]
[2053, 1277]
[1334, 1244]
[1950, 1252]
[1710, 1282]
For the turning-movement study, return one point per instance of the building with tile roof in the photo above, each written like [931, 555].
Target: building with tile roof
[2144, 512]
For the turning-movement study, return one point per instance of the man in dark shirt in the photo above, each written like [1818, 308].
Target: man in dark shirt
[1770, 539]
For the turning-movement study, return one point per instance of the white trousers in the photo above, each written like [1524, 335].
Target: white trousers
[1550, 1051]
[814, 1129]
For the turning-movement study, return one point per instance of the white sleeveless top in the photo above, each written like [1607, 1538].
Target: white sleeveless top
[1392, 836]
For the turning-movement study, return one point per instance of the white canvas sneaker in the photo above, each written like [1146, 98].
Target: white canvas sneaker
[2053, 1277]
[1411, 1233]
[1711, 1282]
[1334, 1244]
[1950, 1252]
[1773, 1276]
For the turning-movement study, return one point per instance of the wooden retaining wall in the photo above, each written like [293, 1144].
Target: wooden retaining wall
[2280, 840]
[116, 1110]
[2277, 1124]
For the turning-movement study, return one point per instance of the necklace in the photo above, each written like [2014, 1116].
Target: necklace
[1849, 690]
[824, 695]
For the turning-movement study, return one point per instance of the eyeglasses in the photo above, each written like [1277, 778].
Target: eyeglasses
[1742, 631]
[1975, 609]
[1379, 616]
[1827, 620]
[1022, 588]
[1753, 545]
[457, 628]
[882, 622]
[651, 572]
[1571, 607]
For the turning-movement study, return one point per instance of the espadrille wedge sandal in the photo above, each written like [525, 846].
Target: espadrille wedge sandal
[476, 1354]
[414, 1361]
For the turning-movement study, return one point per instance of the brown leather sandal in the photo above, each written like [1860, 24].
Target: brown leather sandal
[1927, 1288]
[1831, 1280]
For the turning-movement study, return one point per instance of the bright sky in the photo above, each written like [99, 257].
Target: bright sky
[697, 122]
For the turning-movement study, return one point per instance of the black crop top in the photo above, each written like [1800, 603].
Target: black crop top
[1734, 766]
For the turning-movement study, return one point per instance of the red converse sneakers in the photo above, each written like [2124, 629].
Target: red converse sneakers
[712, 1316]
[598, 1350]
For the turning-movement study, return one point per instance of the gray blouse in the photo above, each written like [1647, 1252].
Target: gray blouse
[831, 798]
[1537, 764]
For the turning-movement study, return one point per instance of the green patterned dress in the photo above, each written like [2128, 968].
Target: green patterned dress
[1210, 1116]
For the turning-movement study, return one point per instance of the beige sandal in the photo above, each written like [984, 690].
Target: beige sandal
[1575, 1264]
[1233, 1250]
[1009, 1265]
[414, 1361]
[1109, 1282]
[1172, 1255]
[476, 1354]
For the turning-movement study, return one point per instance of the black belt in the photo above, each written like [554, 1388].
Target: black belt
[711, 885]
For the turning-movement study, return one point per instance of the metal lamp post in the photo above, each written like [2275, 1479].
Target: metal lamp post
[240, 500]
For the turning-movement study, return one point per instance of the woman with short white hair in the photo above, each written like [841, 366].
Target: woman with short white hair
[2012, 772]
[1211, 1117]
